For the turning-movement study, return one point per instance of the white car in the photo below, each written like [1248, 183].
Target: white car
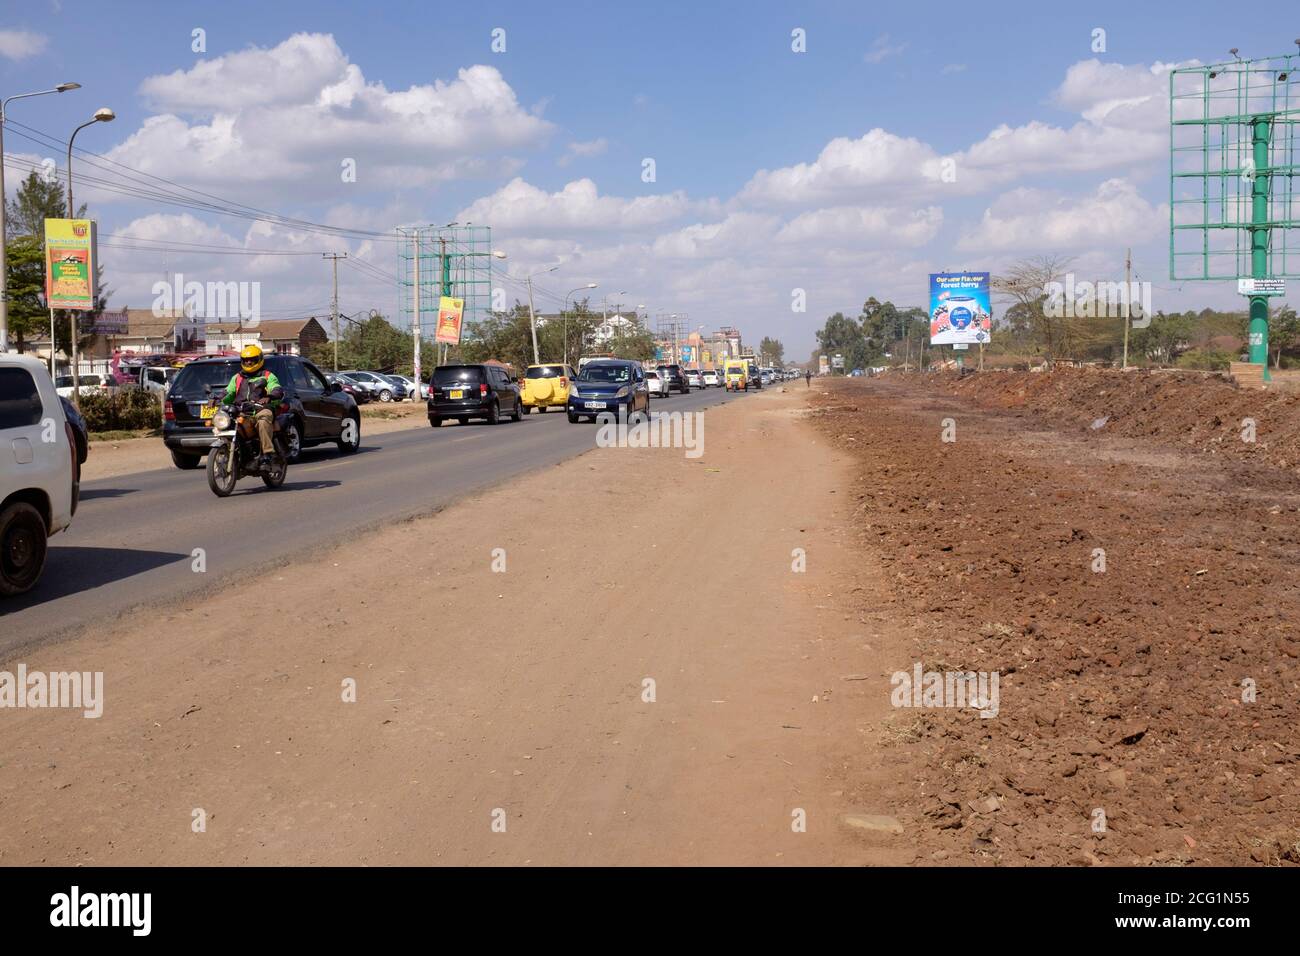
[694, 378]
[711, 377]
[656, 385]
[90, 384]
[39, 475]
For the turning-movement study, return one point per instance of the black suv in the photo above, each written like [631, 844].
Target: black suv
[463, 392]
[675, 379]
[322, 412]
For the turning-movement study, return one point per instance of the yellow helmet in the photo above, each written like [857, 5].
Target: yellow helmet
[250, 360]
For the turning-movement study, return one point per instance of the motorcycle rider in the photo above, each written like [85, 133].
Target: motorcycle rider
[254, 382]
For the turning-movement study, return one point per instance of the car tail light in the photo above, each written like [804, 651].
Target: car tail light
[564, 381]
[482, 390]
[169, 413]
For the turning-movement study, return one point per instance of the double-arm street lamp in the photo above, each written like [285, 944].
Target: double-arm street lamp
[4, 301]
[589, 285]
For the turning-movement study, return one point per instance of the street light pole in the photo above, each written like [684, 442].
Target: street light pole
[102, 115]
[4, 260]
[565, 317]
[532, 318]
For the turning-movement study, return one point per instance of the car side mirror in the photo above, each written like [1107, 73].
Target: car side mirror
[336, 387]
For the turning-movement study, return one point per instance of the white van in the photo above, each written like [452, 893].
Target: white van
[39, 475]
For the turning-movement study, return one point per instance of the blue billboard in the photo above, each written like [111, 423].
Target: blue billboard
[959, 308]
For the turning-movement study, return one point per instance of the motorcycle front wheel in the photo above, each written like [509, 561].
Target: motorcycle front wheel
[223, 471]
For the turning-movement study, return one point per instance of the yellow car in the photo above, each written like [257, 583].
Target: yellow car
[547, 386]
[736, 373]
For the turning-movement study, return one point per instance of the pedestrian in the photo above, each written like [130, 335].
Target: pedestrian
[807, 378]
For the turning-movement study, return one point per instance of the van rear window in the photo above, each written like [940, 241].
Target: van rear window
[20, 403]
[451, 374]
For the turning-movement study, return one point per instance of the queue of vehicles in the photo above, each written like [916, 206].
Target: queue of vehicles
[45, 443]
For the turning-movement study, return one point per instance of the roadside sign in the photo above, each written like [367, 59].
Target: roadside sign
[959, 308]
[450, 313]
[70, 258]
[959, 346]
[1261, 286]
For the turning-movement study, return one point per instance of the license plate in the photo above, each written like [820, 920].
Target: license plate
[593, 404]
[207, 411]
[456, 393]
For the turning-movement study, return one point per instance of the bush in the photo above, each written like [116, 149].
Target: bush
[1206, 360]
[121, 409]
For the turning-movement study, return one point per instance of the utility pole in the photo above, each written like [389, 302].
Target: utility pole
[335, 256]
[415, 310]
[532, 321]
[1128, 298]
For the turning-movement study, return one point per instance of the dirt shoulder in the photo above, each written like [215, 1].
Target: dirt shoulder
[523, 691]
[108, 459]
[1138, 599]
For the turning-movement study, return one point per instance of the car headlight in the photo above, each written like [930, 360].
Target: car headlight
[573, 392]
[221, 421]
[622, 392]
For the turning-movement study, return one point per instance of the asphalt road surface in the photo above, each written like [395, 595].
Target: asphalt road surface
[134, 539]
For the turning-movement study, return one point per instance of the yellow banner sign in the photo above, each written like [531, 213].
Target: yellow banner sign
[70, 258]
[449, 318]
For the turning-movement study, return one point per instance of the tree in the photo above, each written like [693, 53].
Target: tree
[842, 335]
[772, 350]
[372, 343]
[35, 201]
[25, 264]
[1025, 283]
[1165, 338]
[1283, 332]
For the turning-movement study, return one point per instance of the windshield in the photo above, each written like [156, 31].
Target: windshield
[614, 374]
[545, 371]
[190, 381]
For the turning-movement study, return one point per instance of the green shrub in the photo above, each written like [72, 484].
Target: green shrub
[1206, 360]
[121, 409]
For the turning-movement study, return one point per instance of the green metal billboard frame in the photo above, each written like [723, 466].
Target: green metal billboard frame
[1233, 209]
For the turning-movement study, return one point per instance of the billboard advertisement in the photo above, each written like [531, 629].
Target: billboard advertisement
[959, 308]
[70, 264]
[450, 313]
[823, 365]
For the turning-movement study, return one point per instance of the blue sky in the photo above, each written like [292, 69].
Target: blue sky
[583, 93]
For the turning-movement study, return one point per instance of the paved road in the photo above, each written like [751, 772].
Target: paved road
[132, 542]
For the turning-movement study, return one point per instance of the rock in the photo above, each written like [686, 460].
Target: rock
[873, 822]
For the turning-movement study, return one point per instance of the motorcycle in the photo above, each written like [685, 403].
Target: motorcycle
[236, 450]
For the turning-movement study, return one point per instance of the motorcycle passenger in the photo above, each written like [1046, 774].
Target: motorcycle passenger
[254, 382]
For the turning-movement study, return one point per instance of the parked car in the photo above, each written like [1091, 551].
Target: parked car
[40, 475]
[360, 394]
[409, 383]
[675, 378]
[694, 378]
[656, 385]
[323, 412]
[463, 392]
[79, 431]
[547, 386]
[401, 392]
[609, 385]
[380, 387]
[89, 385]
[711, 378]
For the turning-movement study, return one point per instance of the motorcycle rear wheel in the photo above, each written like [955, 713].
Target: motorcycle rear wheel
[279, 470]
[223, 471]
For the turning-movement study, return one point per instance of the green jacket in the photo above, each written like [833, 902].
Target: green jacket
[272, 383]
